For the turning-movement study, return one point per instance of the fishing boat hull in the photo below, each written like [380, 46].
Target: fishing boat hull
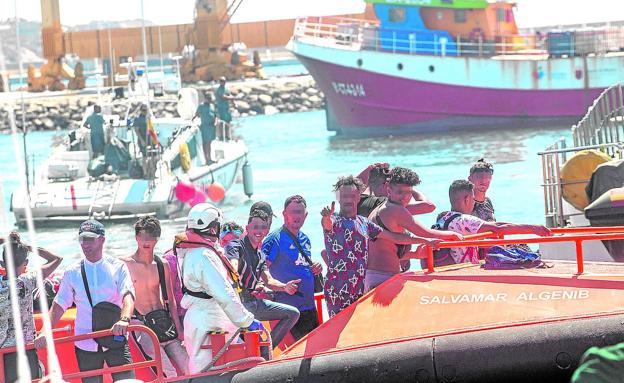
[379, 92]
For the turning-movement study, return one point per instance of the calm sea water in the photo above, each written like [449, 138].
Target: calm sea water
[295, 154]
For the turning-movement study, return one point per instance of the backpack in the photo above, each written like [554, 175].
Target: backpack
[512, 257]
[441, 257]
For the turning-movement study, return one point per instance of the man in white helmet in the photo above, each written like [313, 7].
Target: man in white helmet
[210, 286]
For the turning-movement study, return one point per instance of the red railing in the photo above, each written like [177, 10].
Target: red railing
[155, 363]
[576, 235]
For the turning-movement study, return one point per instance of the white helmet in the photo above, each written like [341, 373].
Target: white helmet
[205, 219]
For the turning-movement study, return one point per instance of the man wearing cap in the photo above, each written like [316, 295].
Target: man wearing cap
[289, 257]
[108, 280]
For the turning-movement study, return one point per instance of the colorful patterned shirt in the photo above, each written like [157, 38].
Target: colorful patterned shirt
[464, 224]
[347, 252]
[26, 285]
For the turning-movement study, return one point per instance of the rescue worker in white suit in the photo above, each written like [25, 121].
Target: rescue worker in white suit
[210, 286]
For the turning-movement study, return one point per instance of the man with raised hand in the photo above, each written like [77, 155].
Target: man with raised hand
[347, 240]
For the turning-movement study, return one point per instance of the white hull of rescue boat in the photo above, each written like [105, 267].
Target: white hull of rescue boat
[73, 200]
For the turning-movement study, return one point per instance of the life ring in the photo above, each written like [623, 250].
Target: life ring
[185, 157]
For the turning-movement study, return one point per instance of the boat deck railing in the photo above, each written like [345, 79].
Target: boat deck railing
[357, 34]
[602, 128]
[577, 235]
[155, 363]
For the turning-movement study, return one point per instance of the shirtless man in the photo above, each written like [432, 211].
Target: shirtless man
[146, 279]
[385, 256]
[375, 176]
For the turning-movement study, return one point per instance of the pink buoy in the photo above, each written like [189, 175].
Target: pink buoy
[185, 191]
[216, 192]
[199, 197]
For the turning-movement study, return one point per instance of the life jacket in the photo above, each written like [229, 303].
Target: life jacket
[182, 243]
[442, 257]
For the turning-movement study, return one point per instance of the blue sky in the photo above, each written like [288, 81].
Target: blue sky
[529, 12]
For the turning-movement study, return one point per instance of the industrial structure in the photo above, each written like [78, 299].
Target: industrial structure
[204, 43]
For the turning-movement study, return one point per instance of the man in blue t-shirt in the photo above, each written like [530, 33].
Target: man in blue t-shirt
[286, 263]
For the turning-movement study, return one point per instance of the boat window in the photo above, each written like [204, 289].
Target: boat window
[396, 15]
[500, 15]
[460, 15]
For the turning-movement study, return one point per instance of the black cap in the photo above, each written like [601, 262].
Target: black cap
[90, 228]
[263, 206]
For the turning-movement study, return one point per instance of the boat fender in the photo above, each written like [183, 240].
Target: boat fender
[216, 192]
[185, 157]
[247, 179]
[576, 172]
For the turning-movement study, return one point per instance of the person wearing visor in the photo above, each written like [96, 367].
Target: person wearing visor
[211, 286]
[107, 280]
[249, 260]
[153, 286]
[347, 237]
[288, 252]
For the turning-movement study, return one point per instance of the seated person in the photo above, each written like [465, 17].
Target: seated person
[459, 220]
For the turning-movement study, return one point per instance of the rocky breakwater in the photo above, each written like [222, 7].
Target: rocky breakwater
[251, 98]
[67, 112]
[272, 98]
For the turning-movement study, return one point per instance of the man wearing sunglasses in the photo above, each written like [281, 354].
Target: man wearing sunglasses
[147, 279]
[108, 280]
[247, 257]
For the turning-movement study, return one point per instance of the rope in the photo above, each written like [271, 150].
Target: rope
[222, 351]
[250, 359]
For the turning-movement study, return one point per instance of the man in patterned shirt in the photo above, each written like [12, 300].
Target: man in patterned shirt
[459, 220]
[347, 237]
[26, 283]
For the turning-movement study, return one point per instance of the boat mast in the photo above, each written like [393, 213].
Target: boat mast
[21, 73]
[144, 40]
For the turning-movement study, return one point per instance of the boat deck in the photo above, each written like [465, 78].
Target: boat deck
[467, 299]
